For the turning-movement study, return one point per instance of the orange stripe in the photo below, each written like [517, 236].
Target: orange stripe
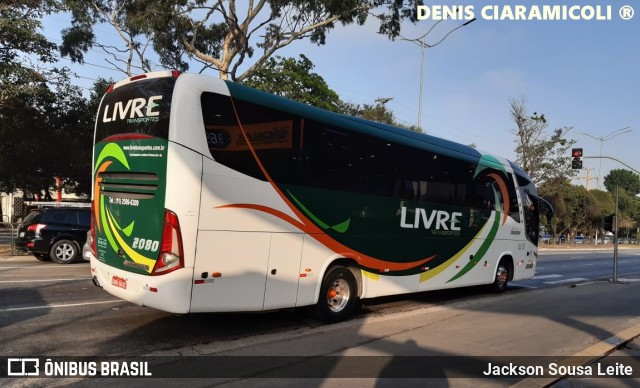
[505, 195]
[96, 191]
[324, 239]
[310, 228]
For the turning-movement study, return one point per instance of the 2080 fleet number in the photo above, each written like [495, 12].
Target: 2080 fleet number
[145, 244]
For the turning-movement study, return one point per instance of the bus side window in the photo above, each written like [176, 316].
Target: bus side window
[333, 158]
[274, 136]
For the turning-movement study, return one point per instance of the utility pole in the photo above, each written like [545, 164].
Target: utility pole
[602, 139]
[615, 239]
[587, 178]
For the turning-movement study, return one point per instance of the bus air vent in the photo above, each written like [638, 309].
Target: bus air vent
[133, 185]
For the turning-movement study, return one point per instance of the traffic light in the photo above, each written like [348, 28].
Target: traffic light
[576, 158]
[608, 223]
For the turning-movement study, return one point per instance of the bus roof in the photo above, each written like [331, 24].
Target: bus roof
[388, 132]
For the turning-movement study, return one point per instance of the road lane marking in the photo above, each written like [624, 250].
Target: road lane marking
[58, 305]
[521, 285]
[43, 280]
[572, 280]
[33, 266]
[546, 276]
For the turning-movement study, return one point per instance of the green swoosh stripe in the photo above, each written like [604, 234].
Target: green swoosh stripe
[483, 249]
[112, 150]
[340, 228]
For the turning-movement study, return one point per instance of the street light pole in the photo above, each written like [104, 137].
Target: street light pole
[420, 41]
[602, 139]
[421, 82]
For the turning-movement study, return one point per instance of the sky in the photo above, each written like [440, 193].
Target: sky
[583, 74]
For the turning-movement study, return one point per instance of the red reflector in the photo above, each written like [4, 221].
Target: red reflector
[303, 275]
[30, 245]
[153, 289]
[175, 73]
[199, 281]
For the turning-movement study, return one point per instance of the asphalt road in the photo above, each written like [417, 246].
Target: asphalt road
[54, 310]
[563, 267]
[50, 310]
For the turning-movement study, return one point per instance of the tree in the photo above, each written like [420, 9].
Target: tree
[223, 34]
[377, 112]
[46, 129]
[46, 124]
[19, 39]
[80, 37]
[293, 79]
[625, 179]
[540, 155]
[23, 88]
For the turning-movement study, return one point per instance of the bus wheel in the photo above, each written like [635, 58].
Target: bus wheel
[502, 277]
[338, 295]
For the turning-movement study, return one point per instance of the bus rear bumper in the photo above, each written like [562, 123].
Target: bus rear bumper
[169, 292]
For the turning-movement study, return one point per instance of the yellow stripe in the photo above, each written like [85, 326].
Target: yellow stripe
[370, 275]
[436, 271]
[133, 255]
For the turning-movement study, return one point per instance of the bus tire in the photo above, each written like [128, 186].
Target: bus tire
[501, 278]
[338, 295]
[64, 252]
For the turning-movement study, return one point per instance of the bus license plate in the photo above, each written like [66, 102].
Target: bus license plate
[119, 282]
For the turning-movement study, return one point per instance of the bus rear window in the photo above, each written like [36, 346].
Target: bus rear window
[141, 107]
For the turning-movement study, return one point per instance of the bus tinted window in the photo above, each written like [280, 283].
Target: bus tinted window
[141, 107]
[333, 158]
[273, 135]
[301, 151]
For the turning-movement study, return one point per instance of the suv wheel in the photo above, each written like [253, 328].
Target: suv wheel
[64, 252]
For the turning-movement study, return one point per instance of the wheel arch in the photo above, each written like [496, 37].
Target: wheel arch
[508, 259]
[68, 237]
[348, 263]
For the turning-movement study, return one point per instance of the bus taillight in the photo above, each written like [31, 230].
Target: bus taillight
[171, 255]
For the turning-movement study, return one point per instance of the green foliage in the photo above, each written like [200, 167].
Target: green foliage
[577, 210]
[295, 80]
[625, 179]
[46, 124]
[377, 112]
[219, 35]
[540, 155]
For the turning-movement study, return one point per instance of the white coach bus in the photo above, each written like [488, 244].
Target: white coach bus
[210, 196]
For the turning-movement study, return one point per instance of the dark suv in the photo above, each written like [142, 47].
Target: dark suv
[56, 234]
